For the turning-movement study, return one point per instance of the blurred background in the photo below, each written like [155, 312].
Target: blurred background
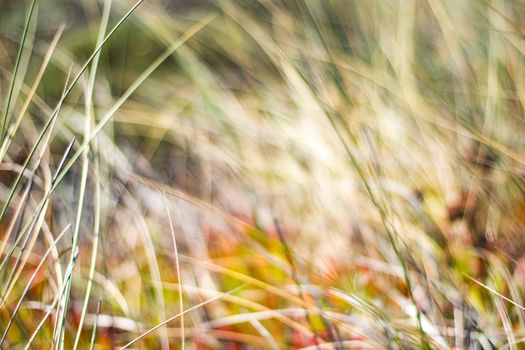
[275, 174]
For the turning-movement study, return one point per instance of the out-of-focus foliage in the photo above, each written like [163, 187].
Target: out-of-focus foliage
[287, 174]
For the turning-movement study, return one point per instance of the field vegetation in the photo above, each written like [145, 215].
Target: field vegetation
[267, 174]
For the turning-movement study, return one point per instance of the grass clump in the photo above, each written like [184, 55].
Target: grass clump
[268, 174]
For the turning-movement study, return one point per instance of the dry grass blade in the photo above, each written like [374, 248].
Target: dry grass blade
[195, 307]
[179, 278]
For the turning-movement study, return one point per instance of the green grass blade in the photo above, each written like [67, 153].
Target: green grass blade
[15, 72]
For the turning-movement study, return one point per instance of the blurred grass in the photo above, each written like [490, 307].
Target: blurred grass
[267, 174]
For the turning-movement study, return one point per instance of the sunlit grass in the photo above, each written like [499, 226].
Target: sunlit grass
[267, 174]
